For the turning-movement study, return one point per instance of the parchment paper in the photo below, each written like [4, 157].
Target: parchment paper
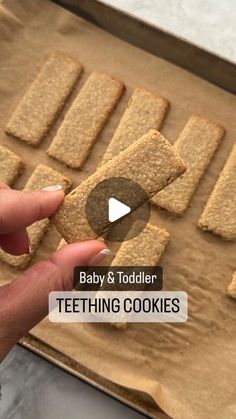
[188, 369]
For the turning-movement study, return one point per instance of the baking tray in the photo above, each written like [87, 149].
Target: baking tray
[163, 44]
[157, 41]
[143, 405]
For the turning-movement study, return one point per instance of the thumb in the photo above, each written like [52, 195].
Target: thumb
[24, 302]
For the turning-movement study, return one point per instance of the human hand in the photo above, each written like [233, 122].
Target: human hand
[24, 302]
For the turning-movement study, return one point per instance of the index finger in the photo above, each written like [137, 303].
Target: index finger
[20, 209]
[4, 185]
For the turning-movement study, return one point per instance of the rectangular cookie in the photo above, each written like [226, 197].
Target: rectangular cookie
[231, 290]
[150, 161]
[196, 145]
[11, 166]
[145, 249]
[44, 99]
[41, 177]
[144, 112]
[219, 214]
[85, 119]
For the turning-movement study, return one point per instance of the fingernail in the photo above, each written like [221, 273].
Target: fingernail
[99, 256]
[53, 188]
[61, 244]
[29, 249]
[105, 252]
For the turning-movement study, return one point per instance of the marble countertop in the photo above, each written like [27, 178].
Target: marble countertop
[33, 388]
[208, 23]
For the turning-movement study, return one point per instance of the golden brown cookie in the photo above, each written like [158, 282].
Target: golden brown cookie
[44, 99]
[11, 166]
[196, 145]
[151, 162]
[85, 119]
[145, 111]
[219, 214]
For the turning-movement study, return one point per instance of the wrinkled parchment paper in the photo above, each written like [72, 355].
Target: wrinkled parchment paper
[188, 369]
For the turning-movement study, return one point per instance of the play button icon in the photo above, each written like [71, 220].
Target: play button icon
[113, 206]
[116, 209]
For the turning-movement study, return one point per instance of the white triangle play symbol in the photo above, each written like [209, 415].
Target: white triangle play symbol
[116, 209]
